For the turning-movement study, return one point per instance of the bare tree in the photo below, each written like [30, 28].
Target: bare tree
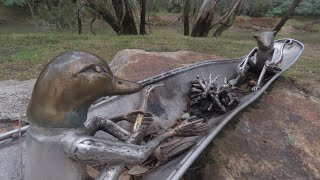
[227, 19]
[101, 8]
[287, 16]
[31, 8]
[186, 17]
[204, 19]
[80, 21]
[122, 22]
[125, 17]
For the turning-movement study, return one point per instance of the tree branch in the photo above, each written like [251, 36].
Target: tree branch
[284, 19]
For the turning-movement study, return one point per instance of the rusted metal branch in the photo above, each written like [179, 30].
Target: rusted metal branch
[113, 171]
[206, 96]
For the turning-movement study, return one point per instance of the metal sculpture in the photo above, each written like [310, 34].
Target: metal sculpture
[207, 97]
[58, 143]
[59, 147]
[263, 59]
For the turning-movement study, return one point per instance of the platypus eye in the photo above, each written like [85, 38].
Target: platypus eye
[92, 68]
[98, 69]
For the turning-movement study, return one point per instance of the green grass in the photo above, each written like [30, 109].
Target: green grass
[23, 54]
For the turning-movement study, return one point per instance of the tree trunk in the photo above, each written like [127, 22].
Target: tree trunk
[33, 16]
[91, 24]
[226, 25]
[227, 20]
[143, 17]
[234, 6]
[79, 21]
[101, 9]
[186, 17]
[283, 20]
[202, 24]
[125, 17]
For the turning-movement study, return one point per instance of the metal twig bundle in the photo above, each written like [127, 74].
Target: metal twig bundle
[207, 97]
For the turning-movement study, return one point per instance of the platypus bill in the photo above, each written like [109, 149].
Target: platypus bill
[68, 85]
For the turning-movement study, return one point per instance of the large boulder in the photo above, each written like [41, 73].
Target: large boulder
[135, 64]
[275, 138]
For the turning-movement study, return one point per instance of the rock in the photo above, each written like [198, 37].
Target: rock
[14, 97]
[275, 138]
[135, 64]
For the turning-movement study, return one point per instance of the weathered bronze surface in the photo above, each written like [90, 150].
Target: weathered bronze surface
[68, 85]
[47, 152]
[263, 59]
[209, 98]
[58, 108]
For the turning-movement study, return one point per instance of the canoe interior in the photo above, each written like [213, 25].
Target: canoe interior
[167, 103]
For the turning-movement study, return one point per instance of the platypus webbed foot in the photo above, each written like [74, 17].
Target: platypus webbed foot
[192, 126]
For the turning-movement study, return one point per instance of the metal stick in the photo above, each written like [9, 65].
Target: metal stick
[20, 142]
[143, 107]
[13, 132]
[114, 170]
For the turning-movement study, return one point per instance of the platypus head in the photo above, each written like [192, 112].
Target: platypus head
[265, 40]
[67, 87]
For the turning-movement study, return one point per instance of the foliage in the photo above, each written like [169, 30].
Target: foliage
[24, 54]
[16, 2]
[260, 8]
[257, 8]
[222, 7]
[53, 14]
[306, 7]
[58, 15]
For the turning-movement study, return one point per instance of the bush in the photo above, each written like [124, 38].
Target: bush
[257, 8]
[305, 8]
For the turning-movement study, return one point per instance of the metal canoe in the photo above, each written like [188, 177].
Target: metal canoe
[167, 103]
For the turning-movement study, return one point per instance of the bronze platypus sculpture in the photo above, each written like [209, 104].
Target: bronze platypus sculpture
[68, 85]
[60, 141]
[263, 59]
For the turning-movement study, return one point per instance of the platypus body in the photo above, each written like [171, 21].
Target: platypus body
[60, 139]
[58, 108]
[68, 85]
[46, 158]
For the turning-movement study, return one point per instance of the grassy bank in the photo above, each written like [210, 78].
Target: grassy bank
[22, 55]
